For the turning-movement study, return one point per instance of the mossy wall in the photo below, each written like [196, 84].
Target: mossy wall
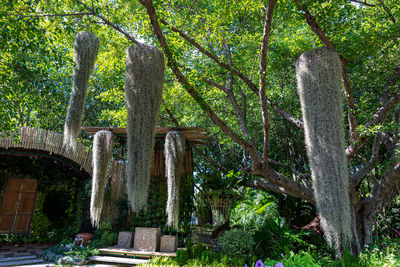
[158, 194]
[60, 201]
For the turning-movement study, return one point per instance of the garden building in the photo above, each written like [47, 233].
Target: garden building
[44, 188]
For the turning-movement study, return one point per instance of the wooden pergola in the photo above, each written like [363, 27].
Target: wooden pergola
[192, 134]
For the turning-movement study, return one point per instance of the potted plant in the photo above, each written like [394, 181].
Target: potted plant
[219, 190]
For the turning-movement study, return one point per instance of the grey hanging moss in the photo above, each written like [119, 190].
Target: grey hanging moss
[102, 153]
[174, 155]
[143, 94]
[86, 48]
[319, 74]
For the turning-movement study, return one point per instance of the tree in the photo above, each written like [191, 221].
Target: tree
[213, 48]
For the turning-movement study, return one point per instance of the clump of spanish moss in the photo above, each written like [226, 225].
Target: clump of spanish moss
[86, 48]
[102, 153]
[143, 94]
[319, 74]
[174, 155]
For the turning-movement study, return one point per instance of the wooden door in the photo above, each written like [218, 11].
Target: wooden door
[17, 206]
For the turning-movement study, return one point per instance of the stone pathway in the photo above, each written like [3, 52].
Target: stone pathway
[19, 255]
[31, 255]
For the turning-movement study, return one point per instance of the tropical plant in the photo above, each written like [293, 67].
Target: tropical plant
[253, 209]
[275, 238]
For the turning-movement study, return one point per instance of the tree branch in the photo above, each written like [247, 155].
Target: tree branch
[363, 3]
[359, 176]
[246, 80]
[213, 162]
[392, 80]
[204, 51]
[390, 181]
[381, 3]
[298, 174]
[171, 116]
[51, 15]
[188, 13]
[107, 22]
[280, 184]
[239, 113]
[263, 79]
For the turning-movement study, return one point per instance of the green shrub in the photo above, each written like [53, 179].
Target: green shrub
[82, 252]
[300, 260]
[275, 238]
[385, 253]
[207, 256]
[237, 243]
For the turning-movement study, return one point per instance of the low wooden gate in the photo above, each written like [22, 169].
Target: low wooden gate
[17, 205]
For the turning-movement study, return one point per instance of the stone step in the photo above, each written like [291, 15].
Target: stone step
[42, 264]
[21, 262]
[117, 260]
[17, 258]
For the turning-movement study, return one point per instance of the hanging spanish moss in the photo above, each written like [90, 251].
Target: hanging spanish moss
[174, 155]
[143, 95]
[319, 74]
[86, 48]
[102, 153]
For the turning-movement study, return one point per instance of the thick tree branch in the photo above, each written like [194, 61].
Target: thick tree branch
[263, 184]
[281, 184]
[263, 78]
[173, 65]
[377, 118]
[382, 111]
[239, 112]
[360, 175]
[312, 22]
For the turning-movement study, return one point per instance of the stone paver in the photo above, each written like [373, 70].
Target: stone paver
[117, 260]
[28, 254]
[22, 262]
[17, 258]
[17, 254]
